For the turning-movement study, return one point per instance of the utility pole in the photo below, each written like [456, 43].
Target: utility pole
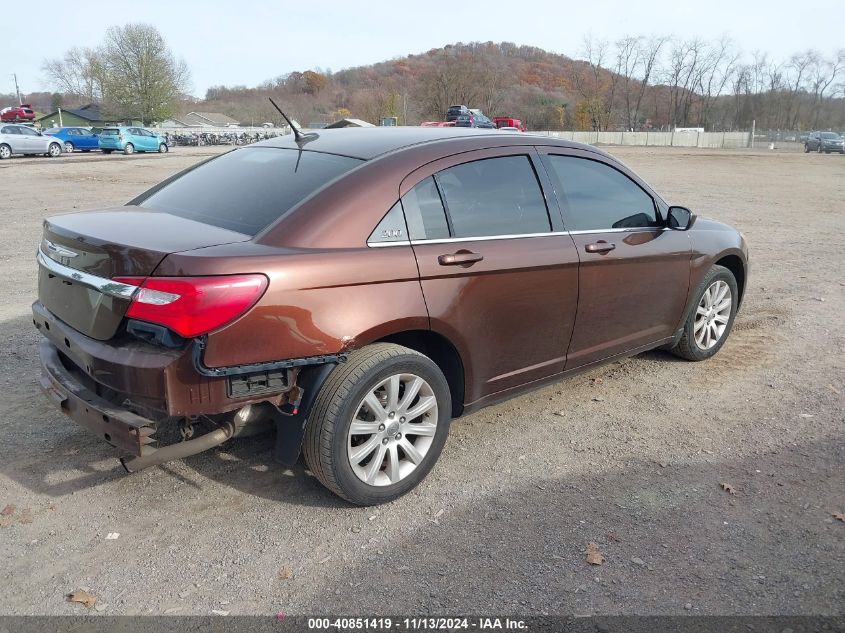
[17, 90]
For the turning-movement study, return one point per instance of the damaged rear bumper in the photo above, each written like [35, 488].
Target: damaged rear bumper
[129, 432]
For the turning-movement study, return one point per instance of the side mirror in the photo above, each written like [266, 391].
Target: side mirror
[679, 218]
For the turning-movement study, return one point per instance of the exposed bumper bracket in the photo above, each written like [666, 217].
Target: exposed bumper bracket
[200, 343]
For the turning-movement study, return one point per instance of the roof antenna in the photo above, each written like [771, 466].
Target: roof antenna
[298, 136]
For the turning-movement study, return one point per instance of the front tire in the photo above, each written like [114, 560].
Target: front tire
[162, 148]
[806, 148]
[129, 149]
[54, 150]
[712, 316]
[68, 147]
[5, 151]
[378, 424]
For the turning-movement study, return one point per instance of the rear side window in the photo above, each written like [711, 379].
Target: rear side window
[598, 197]
[248, 189]
[495, 196]
[424, 212]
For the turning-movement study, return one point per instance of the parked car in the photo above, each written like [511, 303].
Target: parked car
[826, 142]
[74, 138]
[455, 111]
[21, 139]
[290, 287]
[474, 120]
[502, 121]
[17, 113]
[130, 140]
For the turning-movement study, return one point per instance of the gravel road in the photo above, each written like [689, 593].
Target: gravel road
[631, 457]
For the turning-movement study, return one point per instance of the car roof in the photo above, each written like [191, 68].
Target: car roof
[369, 143]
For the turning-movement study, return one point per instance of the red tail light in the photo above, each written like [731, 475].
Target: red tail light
[191, 306]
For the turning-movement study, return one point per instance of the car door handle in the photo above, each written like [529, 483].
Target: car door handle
[461, 258]
[599, 247]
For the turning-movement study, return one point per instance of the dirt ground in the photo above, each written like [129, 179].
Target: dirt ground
[631, 457]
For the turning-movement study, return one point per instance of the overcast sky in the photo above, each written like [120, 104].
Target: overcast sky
[246, 42]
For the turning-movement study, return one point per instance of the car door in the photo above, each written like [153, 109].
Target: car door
[499, 277]
[634, 272]
[149, 139]
[31, 141]
[12, 137]
[87, 140]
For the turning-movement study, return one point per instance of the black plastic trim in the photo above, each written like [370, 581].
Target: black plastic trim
[238, 370]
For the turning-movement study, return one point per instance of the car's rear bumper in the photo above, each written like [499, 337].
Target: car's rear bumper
[157, 382]
[129, 432]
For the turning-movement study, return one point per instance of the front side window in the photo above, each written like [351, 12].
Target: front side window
[494, 196]
[247, 189]
[27, 132]
[598, 197]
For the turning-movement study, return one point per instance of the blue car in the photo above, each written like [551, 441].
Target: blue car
[74, 138]
[130, 140]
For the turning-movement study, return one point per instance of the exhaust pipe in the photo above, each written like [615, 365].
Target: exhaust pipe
[180, 450]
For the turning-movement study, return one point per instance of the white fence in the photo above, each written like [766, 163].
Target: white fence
[658, 139]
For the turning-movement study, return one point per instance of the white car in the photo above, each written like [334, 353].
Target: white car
[20, 139]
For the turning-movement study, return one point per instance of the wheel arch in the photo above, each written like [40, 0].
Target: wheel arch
[444, 354]
[737, 267]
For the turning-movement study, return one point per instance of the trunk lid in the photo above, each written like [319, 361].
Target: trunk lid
[81, 252]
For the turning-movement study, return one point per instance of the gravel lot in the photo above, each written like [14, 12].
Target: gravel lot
[630, 457]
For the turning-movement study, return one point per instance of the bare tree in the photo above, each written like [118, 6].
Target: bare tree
[79, 73]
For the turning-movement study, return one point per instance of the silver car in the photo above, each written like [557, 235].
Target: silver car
[20, 139]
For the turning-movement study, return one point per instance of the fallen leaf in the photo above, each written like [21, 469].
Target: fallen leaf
[839, 516]
[728, 488]
[9, 509]
[594, 556]
[285, 573]
[25, 516]
[82, 597]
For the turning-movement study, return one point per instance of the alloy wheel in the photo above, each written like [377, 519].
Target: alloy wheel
[5, 152]
[712, 314]
[393, 429]
[68, 147]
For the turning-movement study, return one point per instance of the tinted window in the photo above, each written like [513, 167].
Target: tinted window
[829, 135]
[10, 130]
[110, 132]
[247, 189]
[391, 228]
[27, 132]
[496, 196]
[599, 197]
[424, 212]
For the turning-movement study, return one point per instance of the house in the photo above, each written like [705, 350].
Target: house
[200, 119]
[86, 116]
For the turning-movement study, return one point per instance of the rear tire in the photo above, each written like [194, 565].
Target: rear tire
[54, 150]
[359, 391]
[129, 149]
[5, 151]
[707, 327]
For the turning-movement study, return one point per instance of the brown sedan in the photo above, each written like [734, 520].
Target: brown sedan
[359, 288]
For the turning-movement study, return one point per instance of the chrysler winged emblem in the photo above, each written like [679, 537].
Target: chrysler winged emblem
[55, 251]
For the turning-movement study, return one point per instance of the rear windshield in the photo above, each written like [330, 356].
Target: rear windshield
[248, 189]
[109, 132]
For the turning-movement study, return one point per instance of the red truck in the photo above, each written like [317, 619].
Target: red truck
[502, 121]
